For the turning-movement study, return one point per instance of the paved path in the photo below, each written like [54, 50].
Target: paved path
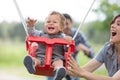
[5, 76]
[18, 73]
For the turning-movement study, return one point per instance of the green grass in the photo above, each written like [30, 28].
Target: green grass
[11, 60]
[11, 53]
[82, 59]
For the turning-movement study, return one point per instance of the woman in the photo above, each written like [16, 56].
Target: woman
[109, 55]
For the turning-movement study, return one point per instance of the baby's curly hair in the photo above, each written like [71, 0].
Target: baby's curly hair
[63, 19]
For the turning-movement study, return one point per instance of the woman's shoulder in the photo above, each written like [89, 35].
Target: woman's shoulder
[105, 47]
[107, 44]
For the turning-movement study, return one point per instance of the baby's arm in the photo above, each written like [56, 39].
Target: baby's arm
[30, 22]
[31, 29]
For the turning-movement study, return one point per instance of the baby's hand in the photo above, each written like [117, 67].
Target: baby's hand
[68, 38]
[31, 22]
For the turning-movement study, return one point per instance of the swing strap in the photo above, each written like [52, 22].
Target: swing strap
[83, 20]
[21, 17]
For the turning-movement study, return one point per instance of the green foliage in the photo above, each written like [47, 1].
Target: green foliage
[3, 29]
[82, 60]
[108, 10]
[93, 30]
[99, 30]
[15, 30]
[95, 33]
[11, 53]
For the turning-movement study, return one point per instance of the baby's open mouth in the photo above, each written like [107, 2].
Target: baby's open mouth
[51, 28]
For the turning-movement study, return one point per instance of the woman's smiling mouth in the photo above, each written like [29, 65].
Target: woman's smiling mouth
[113, 33]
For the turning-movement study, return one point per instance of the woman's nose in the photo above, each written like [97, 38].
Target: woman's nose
[113, 25]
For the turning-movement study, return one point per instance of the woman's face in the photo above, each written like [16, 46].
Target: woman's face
[115, 31]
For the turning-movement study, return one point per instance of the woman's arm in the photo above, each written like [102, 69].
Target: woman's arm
[76, 70]
[92, 65]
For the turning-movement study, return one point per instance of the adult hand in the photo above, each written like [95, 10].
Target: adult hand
[74, 69]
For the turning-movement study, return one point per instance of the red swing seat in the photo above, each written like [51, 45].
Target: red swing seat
[47, 68]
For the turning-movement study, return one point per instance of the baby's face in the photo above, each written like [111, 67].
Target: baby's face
[52, 24]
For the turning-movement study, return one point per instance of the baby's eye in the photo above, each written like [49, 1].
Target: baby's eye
[54, 22]
[47, 21]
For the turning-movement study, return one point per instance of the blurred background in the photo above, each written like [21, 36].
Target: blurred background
[12, 34]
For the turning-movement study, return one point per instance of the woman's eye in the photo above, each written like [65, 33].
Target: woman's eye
[118, 24]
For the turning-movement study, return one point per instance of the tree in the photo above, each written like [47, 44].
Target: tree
[108, 10]
[100, 28]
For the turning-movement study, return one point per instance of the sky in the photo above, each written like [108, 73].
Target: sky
[39, 9]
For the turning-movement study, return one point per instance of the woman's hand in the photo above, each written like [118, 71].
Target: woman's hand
[74, 69]
[31, 22]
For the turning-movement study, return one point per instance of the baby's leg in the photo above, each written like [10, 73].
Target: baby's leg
[30, 63]
[59, 70]
[58, 63]
[37, 61]
[34, 44]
